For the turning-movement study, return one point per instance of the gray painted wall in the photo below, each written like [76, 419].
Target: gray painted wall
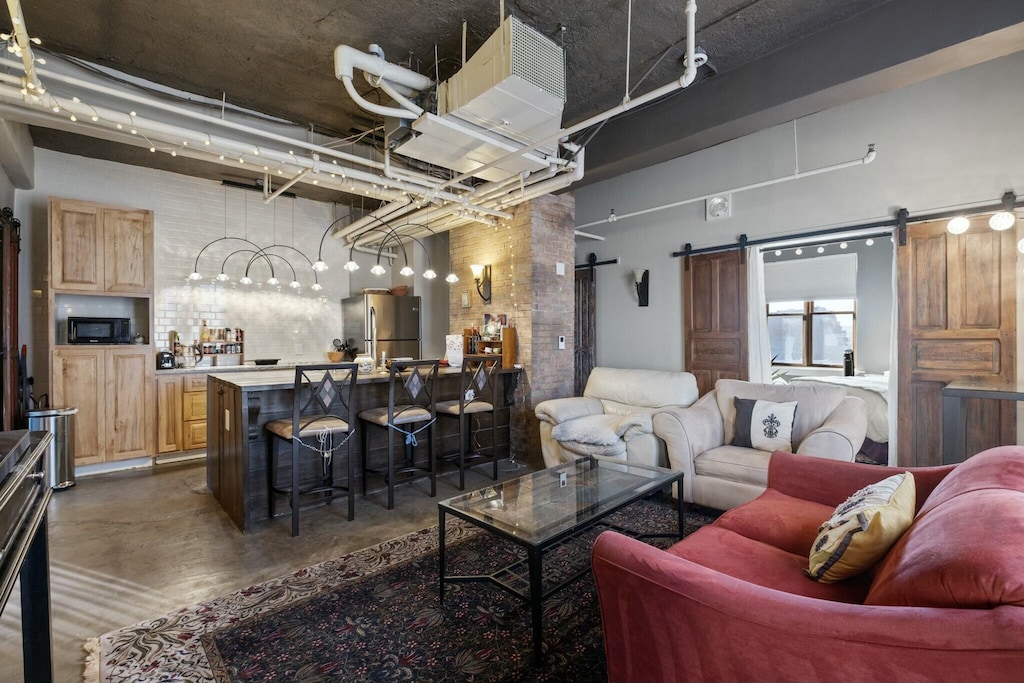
[944, 142]
[874, 301]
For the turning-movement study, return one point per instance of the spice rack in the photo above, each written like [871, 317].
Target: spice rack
[506, 345]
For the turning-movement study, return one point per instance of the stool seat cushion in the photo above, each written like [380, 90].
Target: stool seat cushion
[404, 414]
[316, 425]
[452, 407]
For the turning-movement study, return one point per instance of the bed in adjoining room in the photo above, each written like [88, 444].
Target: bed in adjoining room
[874, 391]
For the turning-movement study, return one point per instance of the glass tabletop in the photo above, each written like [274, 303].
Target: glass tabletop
[541, 505]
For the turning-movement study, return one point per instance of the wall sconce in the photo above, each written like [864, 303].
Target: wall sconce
[642, 279]
[482, 278]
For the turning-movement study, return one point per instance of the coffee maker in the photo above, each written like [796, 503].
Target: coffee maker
[164, 360]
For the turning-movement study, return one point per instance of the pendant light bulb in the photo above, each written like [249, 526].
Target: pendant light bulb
[273, 281]
[869, 242]
[294, 284]
[798, 252]
[958, 225]
[316, 286]
[195, 276]
[351, 266]
[320, 266]
[452, 277]
[1002, 220]
[245, 280]
[222, 277]
[429, 274]
[406, 271]
[1020, 246]
[378, 269]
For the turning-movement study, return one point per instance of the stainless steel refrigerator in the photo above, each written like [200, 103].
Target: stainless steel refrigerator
[382, 323]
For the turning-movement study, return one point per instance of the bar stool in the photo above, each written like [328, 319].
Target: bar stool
[411, 402]
[322, 405]
[478, 394]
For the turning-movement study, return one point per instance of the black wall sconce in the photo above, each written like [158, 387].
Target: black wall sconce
[482, 278]
[642, 278]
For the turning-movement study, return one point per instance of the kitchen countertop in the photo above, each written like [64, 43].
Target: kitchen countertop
[285, 378]
[210, 369]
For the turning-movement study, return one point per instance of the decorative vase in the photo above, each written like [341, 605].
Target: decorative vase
[365, 363]
[453, 350]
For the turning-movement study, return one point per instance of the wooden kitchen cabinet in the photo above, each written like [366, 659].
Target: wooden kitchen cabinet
[168, 415]
[101, 249]
[78, 382]
[129, 395]
[194, 411]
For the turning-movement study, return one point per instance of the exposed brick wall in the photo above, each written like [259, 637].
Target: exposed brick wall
[523, 253]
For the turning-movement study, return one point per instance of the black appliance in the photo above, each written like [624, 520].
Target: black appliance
[99, 331]
[164, 360]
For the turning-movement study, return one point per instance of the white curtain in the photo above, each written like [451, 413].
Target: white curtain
[759, 352]
[894, 350]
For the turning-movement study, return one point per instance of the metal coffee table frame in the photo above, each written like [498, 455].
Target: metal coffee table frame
[523, 578]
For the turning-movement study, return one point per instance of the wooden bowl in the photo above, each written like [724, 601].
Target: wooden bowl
[335, 356]
[400, 290]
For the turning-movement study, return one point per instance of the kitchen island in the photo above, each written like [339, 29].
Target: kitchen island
[239, 404]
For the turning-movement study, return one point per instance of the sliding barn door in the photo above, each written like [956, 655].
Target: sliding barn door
[956, 321]
[715, 317]
[585, 327]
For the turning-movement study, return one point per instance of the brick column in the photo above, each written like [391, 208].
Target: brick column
[523, 253]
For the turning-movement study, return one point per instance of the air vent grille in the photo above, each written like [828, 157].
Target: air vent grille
[537, 59]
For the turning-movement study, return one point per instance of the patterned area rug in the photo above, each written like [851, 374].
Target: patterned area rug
[374, 615]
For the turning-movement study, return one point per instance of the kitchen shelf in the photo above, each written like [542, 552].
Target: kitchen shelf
[506, 345]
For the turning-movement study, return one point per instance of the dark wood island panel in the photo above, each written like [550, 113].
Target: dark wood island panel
[240, 404]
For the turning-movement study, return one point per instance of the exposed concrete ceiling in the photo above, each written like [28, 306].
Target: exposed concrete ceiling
[277, 58]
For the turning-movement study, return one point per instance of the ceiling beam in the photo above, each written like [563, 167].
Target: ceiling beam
[891, 46]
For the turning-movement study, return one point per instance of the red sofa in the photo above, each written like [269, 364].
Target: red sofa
[730, 602]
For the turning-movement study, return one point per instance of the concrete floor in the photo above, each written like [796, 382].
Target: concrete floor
[128, 546]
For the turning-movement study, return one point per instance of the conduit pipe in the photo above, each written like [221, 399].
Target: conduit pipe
[863, 161]
[347, 59]
[694, 61]
[276, 193]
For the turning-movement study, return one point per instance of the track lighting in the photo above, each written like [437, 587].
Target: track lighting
[842, 245]
[958, 225]
[821, 250]
[1005, 218]
[798, 252]
[869, 242]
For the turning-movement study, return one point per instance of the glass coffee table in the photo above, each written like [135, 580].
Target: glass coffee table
[543, 510]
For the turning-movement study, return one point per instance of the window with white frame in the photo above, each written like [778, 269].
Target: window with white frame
[812, 309]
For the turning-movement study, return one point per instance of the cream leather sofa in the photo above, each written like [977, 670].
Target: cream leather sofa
[827, 424]
[613, 417]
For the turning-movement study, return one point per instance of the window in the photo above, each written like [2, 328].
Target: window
[811, 332]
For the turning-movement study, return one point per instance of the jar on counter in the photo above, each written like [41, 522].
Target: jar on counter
[365, 363]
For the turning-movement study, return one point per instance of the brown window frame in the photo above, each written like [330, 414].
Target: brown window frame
[807, 318]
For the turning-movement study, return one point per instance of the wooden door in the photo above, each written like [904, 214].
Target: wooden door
[129, 397]
[76, 246]
[715, 317]
[168, 414]
[956, 321]
[585, 328]
[77, 382]
[128, 250]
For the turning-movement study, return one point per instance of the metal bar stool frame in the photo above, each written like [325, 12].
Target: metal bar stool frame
[323, 406]
[397, 419]
[479, 375]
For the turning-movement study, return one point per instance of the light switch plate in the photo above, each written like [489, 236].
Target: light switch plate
[559, 268]
[561, 342]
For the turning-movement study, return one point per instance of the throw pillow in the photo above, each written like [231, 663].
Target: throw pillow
[764, 425]
[863, 529]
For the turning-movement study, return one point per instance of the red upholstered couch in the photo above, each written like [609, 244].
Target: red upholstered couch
[730, 602]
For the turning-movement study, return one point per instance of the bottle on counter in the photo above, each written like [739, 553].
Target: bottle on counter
[204, 332]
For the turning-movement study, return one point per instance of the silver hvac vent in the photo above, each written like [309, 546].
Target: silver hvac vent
[537, 59]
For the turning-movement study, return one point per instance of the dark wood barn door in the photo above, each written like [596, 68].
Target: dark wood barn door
[956, 321]
[715, 317]
[586, 327]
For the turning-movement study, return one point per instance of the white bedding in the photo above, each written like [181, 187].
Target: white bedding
[872, 389]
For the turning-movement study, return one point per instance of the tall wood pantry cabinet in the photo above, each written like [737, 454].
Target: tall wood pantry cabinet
[105, 254]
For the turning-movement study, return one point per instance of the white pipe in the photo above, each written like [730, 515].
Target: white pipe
[199, 116]
[548, 186]
[588, 235]
[863, 161]
[375, 108]
[348, 58]
[400, 98]
[276, 193]
[693, 62]
[24, 43]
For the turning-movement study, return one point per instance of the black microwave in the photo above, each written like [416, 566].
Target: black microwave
[99, 331]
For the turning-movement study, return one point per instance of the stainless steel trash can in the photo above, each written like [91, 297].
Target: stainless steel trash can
[60, 456]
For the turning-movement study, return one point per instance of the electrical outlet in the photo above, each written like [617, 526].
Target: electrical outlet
[561, 342]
